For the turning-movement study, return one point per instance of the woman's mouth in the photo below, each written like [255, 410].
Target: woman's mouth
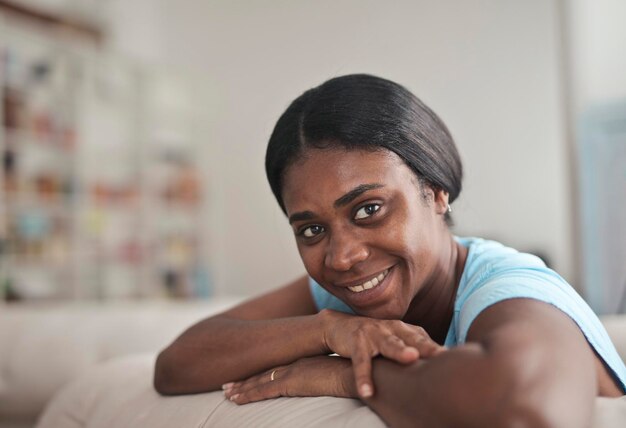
[370, 283]
[370, 292]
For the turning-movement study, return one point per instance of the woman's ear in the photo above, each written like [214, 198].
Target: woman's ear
[441, 198]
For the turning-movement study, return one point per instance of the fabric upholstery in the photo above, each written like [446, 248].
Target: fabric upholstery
[120, 394]
[44, 348]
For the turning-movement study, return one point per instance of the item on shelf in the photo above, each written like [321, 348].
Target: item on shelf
[9, 163]
[9, 293]
[33, 226]
[48, 186]
[42, 126]
[184, 189]
[179, 251]
[13, 107]
[108, 194]
[56, 251]
[130, 252]
[173, 284]
[203, 288]
[68, 138]
[95, 221]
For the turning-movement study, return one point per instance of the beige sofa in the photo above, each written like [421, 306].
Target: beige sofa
[91, 366]
[43, 347]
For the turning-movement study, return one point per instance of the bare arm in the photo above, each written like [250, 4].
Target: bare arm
[525, 364]
[274, 329]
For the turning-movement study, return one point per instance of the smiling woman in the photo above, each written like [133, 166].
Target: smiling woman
[367, 217]
[430, 329]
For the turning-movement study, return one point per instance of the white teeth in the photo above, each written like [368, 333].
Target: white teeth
[367, 285]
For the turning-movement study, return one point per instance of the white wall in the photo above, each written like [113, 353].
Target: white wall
[597, 37]
[133, 29]
[490, 68]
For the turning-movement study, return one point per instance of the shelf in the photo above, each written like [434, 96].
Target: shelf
[103, 198]
[61, 204]
[19, 139]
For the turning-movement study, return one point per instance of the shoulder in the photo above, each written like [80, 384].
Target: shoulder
[487, 259]
[490, 261]
[494, 273]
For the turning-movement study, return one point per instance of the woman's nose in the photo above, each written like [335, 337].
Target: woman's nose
[344, 251]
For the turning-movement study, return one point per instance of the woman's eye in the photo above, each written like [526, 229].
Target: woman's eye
[366, 211]
[312, 231]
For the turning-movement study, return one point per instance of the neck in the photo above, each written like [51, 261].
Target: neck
[433, 307]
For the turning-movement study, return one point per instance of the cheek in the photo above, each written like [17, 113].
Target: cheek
[313, 260]
[411, 239]
[404, 234]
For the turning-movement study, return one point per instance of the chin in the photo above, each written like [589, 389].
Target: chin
[381, 313]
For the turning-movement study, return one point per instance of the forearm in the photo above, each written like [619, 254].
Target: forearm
[220, 350]
[425, 393]
[468, 387]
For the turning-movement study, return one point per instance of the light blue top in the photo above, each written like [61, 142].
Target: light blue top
[494, 273]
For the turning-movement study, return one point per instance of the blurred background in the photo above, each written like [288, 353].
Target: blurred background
[133, 134]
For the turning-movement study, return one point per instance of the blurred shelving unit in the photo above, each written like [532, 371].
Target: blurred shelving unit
[173, 186]
[100, 189]
[39, 156]
[108, 238]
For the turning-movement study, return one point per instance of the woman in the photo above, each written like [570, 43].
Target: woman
[434, 330]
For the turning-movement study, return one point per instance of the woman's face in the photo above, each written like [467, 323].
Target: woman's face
[364, 229]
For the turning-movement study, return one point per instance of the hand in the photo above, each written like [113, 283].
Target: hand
[307, 377]
[362, 339]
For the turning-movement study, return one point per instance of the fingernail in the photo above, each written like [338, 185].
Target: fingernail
[366, 391]
[234, 397]
[228, 385]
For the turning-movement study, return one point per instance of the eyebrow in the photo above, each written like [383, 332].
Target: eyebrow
[355, 193]
[300, 216]
[342, 201]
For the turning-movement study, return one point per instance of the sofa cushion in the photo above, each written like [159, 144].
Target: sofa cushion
[120, 394]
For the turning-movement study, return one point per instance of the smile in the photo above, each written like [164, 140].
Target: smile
[369, 284]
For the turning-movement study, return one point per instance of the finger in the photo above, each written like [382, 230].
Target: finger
[261, 387]
[429, 348]
[234, 388]
[258, 393]
[362, 366]
[394, 348]
[417, 338]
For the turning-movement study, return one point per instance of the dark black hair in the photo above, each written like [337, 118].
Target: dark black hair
[365, 112]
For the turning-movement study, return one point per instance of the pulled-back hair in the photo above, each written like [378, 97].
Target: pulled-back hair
[365, 112]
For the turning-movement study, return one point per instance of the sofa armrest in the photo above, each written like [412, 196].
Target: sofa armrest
[120, 394]
[42, 347]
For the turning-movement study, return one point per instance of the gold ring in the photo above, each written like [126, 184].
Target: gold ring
[272, 376]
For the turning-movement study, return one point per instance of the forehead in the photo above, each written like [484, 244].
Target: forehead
[322, 175]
